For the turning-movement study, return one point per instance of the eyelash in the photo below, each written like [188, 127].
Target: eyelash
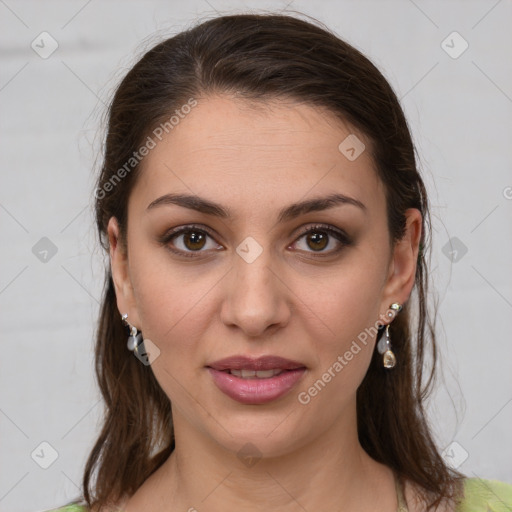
[342, 237]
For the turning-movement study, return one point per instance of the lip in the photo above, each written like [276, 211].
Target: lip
[240, 362]
[256, 391]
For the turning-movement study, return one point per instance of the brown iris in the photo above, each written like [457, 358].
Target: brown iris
[196, 240]
[319, 239]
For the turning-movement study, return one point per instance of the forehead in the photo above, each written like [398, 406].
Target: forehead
[249, 151]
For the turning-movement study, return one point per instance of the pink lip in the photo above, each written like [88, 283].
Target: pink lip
[256, 391]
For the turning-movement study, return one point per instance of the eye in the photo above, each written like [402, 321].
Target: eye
[318, 237]
[188, 240]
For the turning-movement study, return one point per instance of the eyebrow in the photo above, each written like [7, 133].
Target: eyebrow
[292, 211]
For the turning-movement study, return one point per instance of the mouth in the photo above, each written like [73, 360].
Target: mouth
[255, 374]
[256, 381]
[260, 364]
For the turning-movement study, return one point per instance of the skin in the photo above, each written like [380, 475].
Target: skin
[288, 302]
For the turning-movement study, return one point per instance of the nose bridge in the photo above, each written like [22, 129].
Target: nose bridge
[255, 300]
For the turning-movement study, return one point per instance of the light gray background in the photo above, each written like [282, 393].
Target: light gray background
[460, 113]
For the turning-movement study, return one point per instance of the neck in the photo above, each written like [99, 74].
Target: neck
[329, 470]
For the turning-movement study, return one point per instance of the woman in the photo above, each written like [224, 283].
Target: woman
[264, 325]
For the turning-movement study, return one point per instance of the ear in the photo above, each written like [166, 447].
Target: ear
[121, 273]
[402, 267]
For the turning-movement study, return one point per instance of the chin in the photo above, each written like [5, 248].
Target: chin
[268, 437]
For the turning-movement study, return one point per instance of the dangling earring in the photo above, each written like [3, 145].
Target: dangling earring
[384, 348]
[135, 337]
[384, 344]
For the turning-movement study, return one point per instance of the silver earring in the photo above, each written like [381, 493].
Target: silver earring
[135, 337]
[384, 344]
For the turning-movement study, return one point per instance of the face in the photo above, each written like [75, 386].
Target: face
[253, 276]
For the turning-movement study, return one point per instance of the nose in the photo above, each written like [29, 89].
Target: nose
[256, 299]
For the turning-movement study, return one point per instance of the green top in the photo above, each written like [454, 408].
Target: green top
[480, 495]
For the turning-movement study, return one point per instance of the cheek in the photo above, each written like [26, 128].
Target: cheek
[174, 304]
[348, 309]
[349, 300]
[344, 355]
[171, 306]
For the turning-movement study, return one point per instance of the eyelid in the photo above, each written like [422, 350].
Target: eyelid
[187, 227]
[328, 228]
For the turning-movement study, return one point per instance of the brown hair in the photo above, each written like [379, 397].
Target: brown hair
[265, 57]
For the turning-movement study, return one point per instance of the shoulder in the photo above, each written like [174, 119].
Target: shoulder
[482, 495]
[70, 508]
[80, 505]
